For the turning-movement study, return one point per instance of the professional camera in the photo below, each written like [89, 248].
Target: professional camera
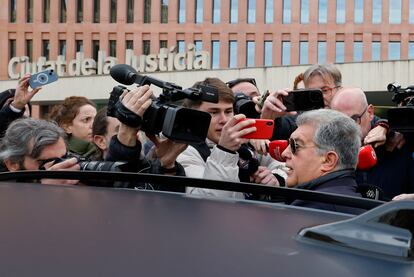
[401, 119]
[88, 165]
[243, 104]
[175, 122]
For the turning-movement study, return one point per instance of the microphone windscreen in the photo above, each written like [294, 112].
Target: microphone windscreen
[366, 157]
[124, 74]
[276, 149]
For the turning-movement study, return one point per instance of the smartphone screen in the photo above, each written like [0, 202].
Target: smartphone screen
[42, 78]
[264, 129]
[304, 100]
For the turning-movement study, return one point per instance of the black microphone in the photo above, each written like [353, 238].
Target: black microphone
[124, 74]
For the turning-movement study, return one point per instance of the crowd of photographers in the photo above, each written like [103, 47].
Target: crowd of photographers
[322, 146]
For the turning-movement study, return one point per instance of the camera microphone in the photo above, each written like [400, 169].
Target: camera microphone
[127, 75]
[124, 74]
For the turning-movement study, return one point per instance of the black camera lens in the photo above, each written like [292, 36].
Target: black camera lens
[99, 166]
[243, 104]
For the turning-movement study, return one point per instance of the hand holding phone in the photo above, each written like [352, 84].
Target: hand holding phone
[264, 129]
[42, 78]
[303, 100]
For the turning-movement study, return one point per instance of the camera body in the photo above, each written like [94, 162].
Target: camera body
[243, 104]
[401, 119]
[175, 122]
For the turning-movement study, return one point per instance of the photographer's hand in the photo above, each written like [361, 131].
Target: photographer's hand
[22, 95]
[137, 101]
[69, 164]
[260, 145]
[273, 106]
[376, 136]
[167, 150]
[265, 177]
[234, 130]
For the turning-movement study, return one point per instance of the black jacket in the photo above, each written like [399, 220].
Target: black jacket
[339, 182]
[137, 163]
[7, 116]
[393, 173]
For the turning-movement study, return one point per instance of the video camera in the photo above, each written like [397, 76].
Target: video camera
[175, 122]
[244, 104]
[401, 119]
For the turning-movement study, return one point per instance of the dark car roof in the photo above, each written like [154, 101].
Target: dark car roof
[88, 231]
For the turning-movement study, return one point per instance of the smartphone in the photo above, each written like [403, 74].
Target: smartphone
[304, 100]
[264, 129]
[42, 78]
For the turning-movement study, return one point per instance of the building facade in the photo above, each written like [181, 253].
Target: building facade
[236, 33]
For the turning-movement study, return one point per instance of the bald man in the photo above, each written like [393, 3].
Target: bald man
[394, 172]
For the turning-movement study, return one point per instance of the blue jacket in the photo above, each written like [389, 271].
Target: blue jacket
[339, 182]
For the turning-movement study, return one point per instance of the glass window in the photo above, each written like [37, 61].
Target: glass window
[62, 11]
[163, 44]
[358, 11]
[146, 47]
[147, 11]
[79, 45]
[395, 12]
[394, 50]
[29, 11]
[234, 11]
[357, 51]
[95, 49]
[411, 50]
[96, 11]
[339, 52]
[199, 11]
[215, 56]
[411, 12]
[198, 45]
[29, 49]
[130, 11]
[13, 10]
[216, 11]
[269, 10]
[287, 11]
[45, 48]
[251, 11]
[46, 11]
[233, 54]
[12, 48]
[181, 46]
[268, 45]
[376, 51]
[304, 11]
[323, 11]
[112, 48]
[164, 11]
[181, 11]
[250, 53]
[321, 52]
[285, 52]
[129, 44]
[340, 11]
[303, 52]
[79, 11]
[376, 11]
[62, 48]
[112, 15]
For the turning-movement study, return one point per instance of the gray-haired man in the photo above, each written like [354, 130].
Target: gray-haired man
[322, 156]
[32, 144]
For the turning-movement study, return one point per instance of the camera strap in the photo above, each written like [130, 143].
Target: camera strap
[126, 116]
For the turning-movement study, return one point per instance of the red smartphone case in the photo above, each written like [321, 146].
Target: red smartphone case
[264, 129]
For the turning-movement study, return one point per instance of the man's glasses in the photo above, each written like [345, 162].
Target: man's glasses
[232, 83]
[357, 117]
[294, 146]
[328, 90]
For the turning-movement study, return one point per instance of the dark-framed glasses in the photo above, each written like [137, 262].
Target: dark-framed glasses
[357, 117]
[294, 146]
